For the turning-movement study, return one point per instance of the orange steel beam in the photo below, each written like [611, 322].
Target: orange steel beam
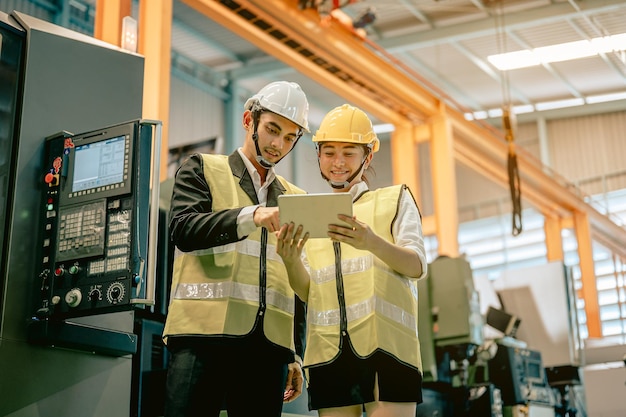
[335, 57]
[554, 241]
[444, 186]
[155, 33]
[587, 273]
[258, 23]
[547, 193]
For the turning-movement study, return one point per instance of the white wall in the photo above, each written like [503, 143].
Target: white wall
[605, 390]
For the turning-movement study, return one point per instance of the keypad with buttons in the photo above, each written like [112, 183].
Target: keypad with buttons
[81, 230]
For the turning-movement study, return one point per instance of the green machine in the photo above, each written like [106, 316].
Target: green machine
[450, 327]
[450, 322]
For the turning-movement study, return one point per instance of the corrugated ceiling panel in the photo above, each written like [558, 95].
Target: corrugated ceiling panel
[618, 59]
[538, 83]
[214, 33]
[484, 46]
[549, 34]
[191, 45]
[590, 75]
[603, 24]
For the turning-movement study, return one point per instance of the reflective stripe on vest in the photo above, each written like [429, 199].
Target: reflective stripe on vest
[233, 289]
[228, 289]
[362, 309]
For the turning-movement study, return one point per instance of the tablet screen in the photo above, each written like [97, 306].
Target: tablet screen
[314, 211]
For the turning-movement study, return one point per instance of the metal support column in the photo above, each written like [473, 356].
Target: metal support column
[554, 241]
[155, 34]
[444, 185]
[587, 271]
[404, 157]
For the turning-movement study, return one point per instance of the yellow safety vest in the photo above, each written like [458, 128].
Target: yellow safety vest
[217, 291]
[373, 304]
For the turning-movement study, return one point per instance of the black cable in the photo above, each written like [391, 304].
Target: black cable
[516, 192]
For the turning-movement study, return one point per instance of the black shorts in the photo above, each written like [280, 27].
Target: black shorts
[349, 380]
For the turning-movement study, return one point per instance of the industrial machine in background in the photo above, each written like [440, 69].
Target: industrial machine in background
[543, 298]
[450, 323]
[451, 332]
[528, 363]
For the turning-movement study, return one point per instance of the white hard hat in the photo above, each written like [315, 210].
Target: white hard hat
[284, 98]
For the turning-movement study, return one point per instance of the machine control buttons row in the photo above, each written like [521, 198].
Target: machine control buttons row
[115, 294]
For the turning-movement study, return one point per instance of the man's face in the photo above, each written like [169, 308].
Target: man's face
[277, 136]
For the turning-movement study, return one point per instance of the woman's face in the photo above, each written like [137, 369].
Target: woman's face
[340, 160]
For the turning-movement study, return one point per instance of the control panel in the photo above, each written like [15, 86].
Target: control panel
[100, 214]
[520, 375]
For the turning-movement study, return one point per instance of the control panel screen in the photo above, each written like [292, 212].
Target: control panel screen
[534, 370]
[99, 164]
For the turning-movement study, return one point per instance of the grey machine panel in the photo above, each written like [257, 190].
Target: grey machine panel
[75, 83]
[454, 302]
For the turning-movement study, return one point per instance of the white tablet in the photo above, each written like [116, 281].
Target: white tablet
[314, 211]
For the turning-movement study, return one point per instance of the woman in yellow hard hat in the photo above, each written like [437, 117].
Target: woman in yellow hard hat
[360, 286]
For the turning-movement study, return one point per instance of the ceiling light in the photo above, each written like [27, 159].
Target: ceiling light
[557, 53]
[495, 112]
[603, 98]
[383, 128]
[514, 60]
[524, 108]
[477, 115]
[550, 105]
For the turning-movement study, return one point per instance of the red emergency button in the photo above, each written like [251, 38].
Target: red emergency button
[49, 178]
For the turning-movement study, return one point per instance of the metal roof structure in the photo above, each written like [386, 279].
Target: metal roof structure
[443, 45]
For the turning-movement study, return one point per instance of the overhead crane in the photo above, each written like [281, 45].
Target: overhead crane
[341, 61]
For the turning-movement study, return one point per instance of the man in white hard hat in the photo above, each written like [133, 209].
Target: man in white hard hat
[234, 326]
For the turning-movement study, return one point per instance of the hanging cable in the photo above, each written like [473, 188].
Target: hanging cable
[513, 171]
[508, 123]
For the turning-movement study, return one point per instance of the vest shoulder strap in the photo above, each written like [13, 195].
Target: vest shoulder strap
[291, 189]
[219, 176]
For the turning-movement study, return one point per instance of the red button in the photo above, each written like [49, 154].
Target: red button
[48, 178]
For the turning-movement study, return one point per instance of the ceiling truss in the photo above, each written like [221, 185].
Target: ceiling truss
[335, 57]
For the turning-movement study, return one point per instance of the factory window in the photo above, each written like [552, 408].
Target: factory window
[490, 247]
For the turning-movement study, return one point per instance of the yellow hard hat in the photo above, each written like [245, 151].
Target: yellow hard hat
[347, 123]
